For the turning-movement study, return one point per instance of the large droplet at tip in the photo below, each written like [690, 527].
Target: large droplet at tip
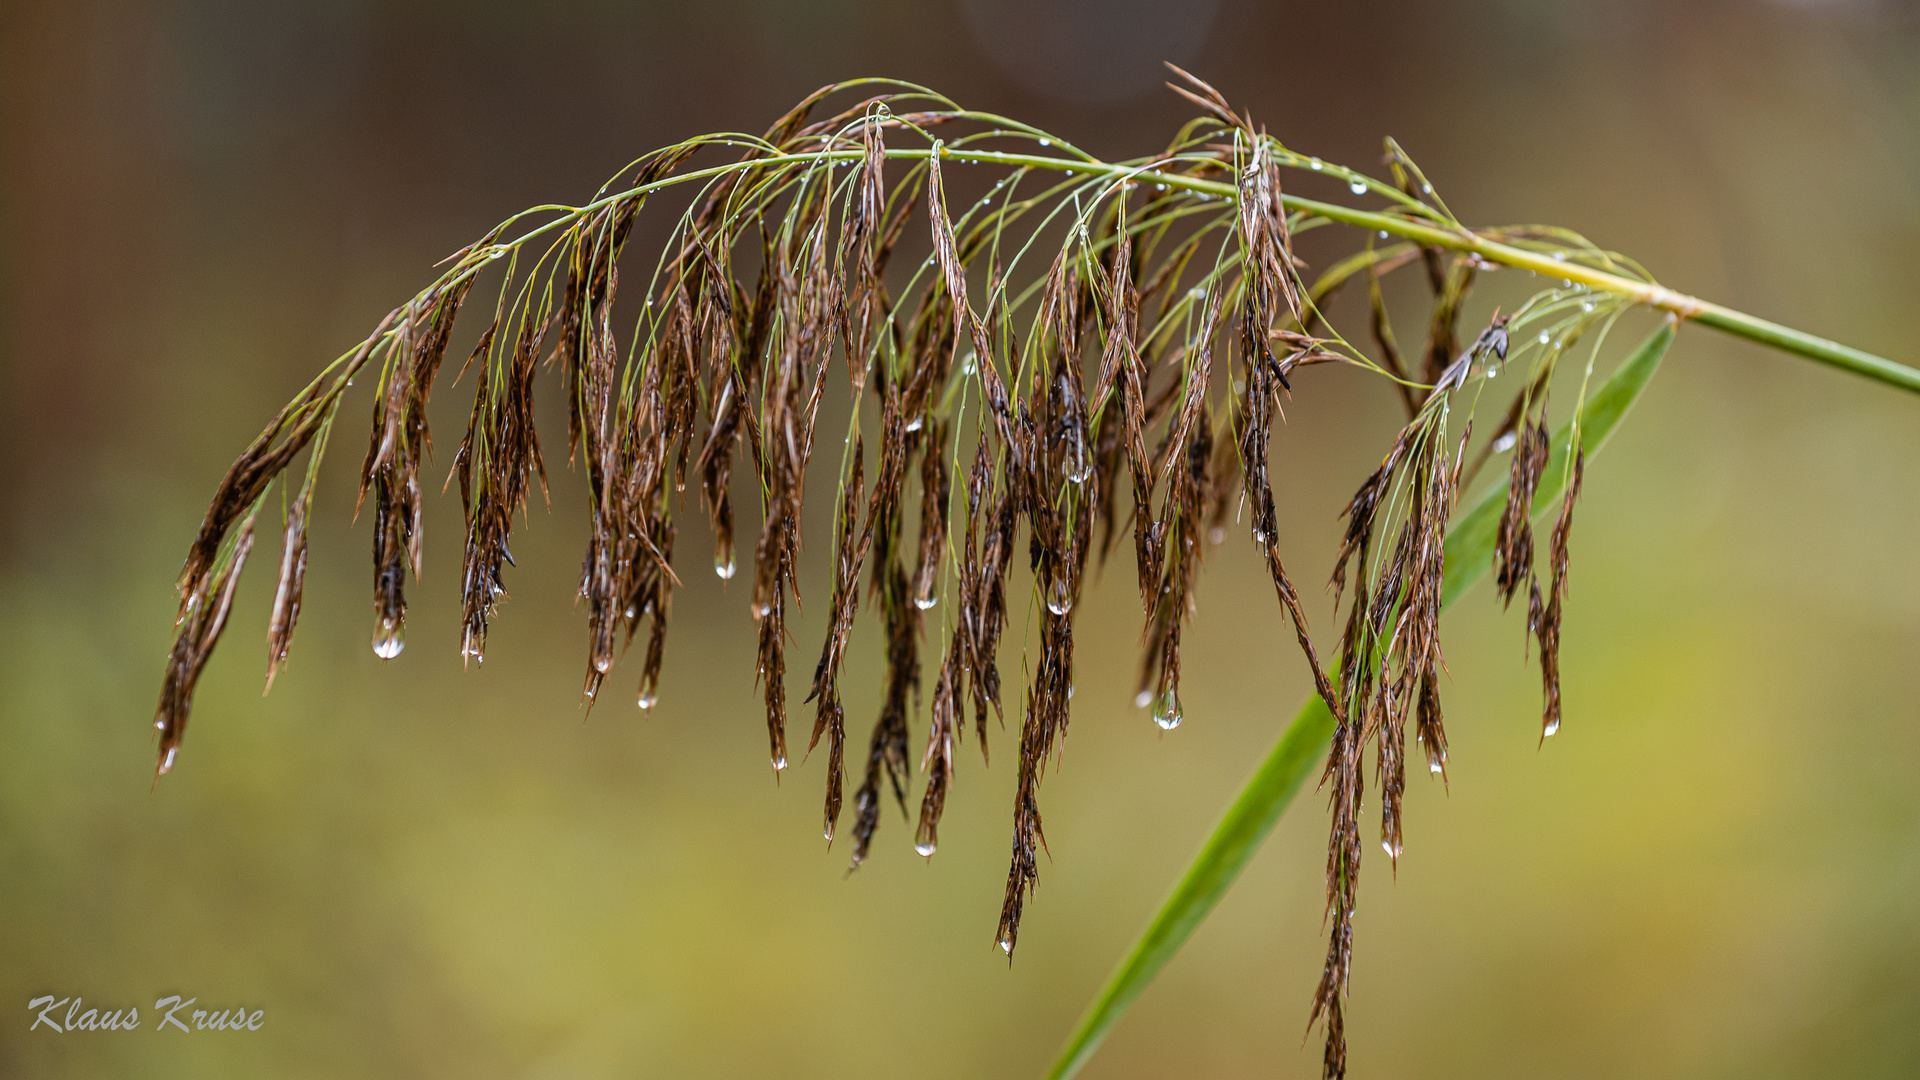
[388, 640]
[1167, 712]
[1006, 946]
[723, 568]
[1552, 729]
[647, 700]
[166, 762]
[924, 849]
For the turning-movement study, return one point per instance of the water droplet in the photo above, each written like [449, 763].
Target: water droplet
[1006, 946]
[1357, 186]
[387, 640]
[1552, 727]
[1059, 598]
[1046, 142]
[925, 603]
[1586, 305]
[1159, 187]
[1566, 283]
[1383, 234]
[1167, 713]
[1315, 164]
[1392, 849]
[923, 849]
[1070, 689]
[780, 762]
[1545, 337]
[723, 570]
[633, 612]
[1559, 256]
[166, 765]
[1436, 766]
[1426, 189]
[647, 699]
[498, 253]
[760, 611]
[602, 664]
[1504, 443]
[1493, 371]
[1143, 699]
[916, 423]
[1217, 535]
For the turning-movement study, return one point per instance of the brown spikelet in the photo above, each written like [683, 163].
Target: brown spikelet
[496, 463]
[1513, 543]
[887, 748]
[1546, 624]
[203, 617]
[293, 574]
[944, 728]
[936, 489]
[851, 548]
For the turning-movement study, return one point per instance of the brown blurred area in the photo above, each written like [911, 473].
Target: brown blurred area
[419, 871]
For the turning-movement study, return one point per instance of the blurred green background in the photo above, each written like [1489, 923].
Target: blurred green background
[419, 871]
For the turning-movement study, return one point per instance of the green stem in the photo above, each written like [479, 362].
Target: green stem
[1426, 234]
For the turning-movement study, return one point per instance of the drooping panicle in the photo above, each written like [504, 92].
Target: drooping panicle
[1088, 365]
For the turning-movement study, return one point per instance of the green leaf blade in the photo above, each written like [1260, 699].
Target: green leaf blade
[1279, 778]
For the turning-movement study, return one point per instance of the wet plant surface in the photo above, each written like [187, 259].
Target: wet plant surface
[1016, 356]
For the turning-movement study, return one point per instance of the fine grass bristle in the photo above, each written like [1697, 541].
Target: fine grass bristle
[1085, 327]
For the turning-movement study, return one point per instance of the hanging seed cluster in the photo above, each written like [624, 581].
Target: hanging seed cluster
[1078, 331]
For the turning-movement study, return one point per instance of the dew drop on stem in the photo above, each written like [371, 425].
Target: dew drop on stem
[1059, 597]
[1357, 186]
